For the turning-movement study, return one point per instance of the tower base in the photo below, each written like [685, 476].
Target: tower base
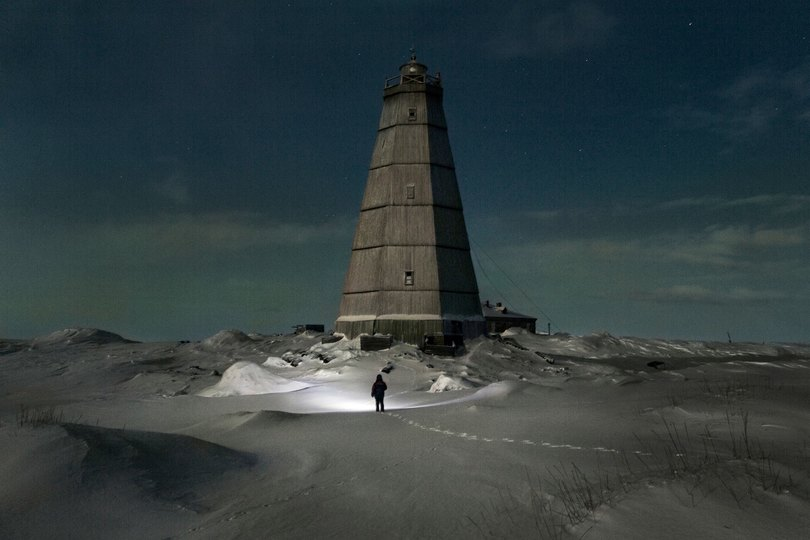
[412, 329]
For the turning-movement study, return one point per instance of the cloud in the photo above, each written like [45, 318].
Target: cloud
[759, 212]
[750, 105]
[174, 189]
[733, 245]
[656, 267]
[544, 215]
[217, 232]
[777, 203]
[773, 226]
[532, 29]
[691, 202]
[797, 82]
[696, 294]
[732, 123]
[171, 273]
[751, 249]
[749, 86]
[168, 237]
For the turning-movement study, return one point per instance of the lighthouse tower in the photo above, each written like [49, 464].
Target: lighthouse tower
[410, 273]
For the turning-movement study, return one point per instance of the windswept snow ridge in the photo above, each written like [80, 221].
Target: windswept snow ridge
[444, 384]
[602, 345]
[76, 336]
[102, 438]
[247, 379]
[227, 338]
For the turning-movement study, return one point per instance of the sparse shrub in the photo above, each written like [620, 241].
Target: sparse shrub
[509, 515]
[732, 459]
[705, 458]
[574, 500]
[38, 417]
[579, 495]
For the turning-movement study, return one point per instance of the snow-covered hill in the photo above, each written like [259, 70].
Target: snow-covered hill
[523, 435]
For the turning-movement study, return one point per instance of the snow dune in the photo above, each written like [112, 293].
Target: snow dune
[521, 436]
[169, 466]
[246, 378]
[76, 336]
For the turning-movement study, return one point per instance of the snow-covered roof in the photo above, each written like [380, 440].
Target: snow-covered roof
[499, 311]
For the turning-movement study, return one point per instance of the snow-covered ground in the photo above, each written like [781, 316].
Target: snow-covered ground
[525, 436]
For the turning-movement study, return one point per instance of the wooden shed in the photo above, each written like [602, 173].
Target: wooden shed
[500, 318]
[410, 272]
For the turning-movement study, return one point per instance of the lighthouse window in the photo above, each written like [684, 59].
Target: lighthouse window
[412, 114]
[408, 277]
[410, 191]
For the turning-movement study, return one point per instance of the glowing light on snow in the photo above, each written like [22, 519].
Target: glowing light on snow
[326, 399]
[339, 401]
[246, 378]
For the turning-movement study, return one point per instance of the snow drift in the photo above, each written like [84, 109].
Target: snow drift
[445, 384]
[530, 436]
[164, 465]
[228, 338]
[76, 336]
[247, 379]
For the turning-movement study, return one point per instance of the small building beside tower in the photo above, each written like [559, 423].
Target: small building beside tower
[500, 318]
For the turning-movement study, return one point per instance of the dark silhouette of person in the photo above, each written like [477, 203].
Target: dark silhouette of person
[378, 393]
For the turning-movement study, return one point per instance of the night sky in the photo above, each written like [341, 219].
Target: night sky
[170, 169]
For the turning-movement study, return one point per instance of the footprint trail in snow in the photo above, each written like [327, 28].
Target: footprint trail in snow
[474, 437]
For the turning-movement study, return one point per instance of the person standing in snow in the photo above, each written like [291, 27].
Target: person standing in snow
[378, 393]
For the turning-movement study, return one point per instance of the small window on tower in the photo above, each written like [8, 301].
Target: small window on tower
[408, 277]
[412, 114]
[410, 191]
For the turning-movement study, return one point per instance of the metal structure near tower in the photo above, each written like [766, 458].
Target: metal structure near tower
[411, 274]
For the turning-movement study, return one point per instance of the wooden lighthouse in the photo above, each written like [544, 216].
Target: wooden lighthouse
[411, 274]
